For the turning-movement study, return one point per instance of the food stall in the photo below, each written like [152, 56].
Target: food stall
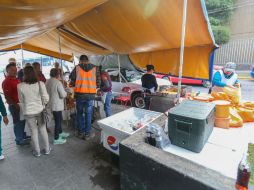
[124, 124]
[165, 98]
[209, 136]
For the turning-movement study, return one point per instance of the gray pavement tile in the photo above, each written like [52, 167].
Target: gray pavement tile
[67, 185]
[83, 182]
[76, 165]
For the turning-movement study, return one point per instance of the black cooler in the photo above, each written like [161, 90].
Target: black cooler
[190, 124]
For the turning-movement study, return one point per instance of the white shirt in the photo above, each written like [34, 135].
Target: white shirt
[231, 81]
[56, 93]
[30, 97]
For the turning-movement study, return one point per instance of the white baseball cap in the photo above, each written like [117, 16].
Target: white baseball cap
[230, 66]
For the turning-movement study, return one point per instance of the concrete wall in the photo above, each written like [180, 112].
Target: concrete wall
[240, 48]
[144, 167]
[242, 25]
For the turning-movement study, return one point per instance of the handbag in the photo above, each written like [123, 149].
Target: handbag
[45, 113]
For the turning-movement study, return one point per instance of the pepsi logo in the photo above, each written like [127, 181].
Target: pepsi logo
[112, 142]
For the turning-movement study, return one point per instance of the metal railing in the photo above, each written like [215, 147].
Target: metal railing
[240, 51]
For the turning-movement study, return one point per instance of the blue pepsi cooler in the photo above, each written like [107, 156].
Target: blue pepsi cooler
[190, 124]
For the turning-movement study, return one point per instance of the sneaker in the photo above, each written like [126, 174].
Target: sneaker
[24, 142]
[82, 136]
[89, 136]
[64, 135]
[47, 152]
[1, 157]
[59, 141]
[36, 154]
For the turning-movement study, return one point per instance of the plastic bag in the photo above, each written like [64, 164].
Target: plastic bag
[249, 105]
[220, 96]
[234, 94]
[156, 136]
[236, 120]
[246, 114]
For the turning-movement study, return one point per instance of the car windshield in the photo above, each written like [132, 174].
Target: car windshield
[130, 75]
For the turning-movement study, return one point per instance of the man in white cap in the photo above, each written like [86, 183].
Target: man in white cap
[12, 60]
[225, 78]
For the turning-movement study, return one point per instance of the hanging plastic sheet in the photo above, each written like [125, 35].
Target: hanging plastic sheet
[22, 20]
[196, 61]
[149, 30]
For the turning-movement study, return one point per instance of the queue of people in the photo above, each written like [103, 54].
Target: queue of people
[26, 93]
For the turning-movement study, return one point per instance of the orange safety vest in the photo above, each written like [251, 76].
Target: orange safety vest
[85, 81]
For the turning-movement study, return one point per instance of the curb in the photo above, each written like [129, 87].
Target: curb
[245, 78]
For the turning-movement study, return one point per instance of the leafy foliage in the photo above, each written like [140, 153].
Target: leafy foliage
[221, 34]
[220, 12]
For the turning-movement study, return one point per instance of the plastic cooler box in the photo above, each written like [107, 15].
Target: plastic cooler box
[190, 124]
[120, 126]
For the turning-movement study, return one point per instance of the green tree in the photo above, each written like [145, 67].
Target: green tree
[220, 12]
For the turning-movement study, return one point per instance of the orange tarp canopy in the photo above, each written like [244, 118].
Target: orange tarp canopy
[22, 20]
[148, 30]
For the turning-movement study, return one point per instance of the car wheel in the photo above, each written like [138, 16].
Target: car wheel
[138, 101]
[206, 84]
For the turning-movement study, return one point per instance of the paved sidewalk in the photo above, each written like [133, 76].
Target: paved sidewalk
[76, 165]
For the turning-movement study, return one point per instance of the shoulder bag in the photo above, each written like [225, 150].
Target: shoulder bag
[45, 113]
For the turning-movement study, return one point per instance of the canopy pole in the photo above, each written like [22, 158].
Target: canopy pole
[60, 51]
[182, 50]
[119, 67]
[22, 55]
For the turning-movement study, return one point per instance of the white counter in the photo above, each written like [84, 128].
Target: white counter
[223, 151]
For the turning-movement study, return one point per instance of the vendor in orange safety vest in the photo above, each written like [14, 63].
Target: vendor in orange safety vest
[225, 78]
[85, 79]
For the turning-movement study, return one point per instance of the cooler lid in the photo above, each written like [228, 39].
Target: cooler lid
[193, 109]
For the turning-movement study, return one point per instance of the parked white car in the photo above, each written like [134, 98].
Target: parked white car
[130, 81]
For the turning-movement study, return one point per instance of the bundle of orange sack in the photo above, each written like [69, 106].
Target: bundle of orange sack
[229, 94]
[239, 112]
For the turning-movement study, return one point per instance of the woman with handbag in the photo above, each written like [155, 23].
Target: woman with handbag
[33, 97]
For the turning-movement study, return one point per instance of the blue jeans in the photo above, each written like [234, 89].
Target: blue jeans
[147, 102]
[18, 125]
[58, 123]
[107, 104]
[84, 106]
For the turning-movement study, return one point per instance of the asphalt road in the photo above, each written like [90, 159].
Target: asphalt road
[247, 87]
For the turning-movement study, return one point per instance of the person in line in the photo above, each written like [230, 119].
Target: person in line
[225, 78]
[12, 60]
[57, 66]
[42, 78]
[37, 68]
[31, 93]
[106, 92]
[84, 78]
[6, 121]
[9, 86]
[149, 84]
[21, 72]
[57, 94]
